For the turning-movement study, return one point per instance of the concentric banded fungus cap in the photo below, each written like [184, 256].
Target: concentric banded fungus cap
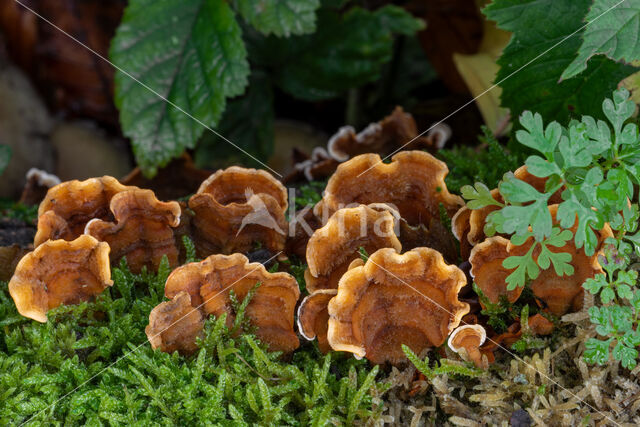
[413, 182]
[478, 219]
[396, 299]
[313, 317]
[466, 341]
[460, 227]
[65, 211]
[236, 207]
[487, 270]
[540, 325]
[174, 325]
[142, 232]
[60, 272]
[563, 294]
[331, 248]
[391, 133]
[271, 310]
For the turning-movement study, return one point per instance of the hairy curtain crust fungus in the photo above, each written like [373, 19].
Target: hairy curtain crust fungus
[333, 247]
[563, 294]
[271, 309]
[460, 227]
[396, 299]
[413, 183]
[558, 294]
[396, 131]
[143, 231]
[466, 341]
[60, 272]
[237, 207]
[313, 317]
[68, 207]
[487, 270]
[174, 325]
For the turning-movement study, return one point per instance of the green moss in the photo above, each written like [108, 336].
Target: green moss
[17, 210]
[92, 364]
[468, 165]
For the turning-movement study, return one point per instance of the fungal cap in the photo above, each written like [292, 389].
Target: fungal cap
[142, 231]
[488, 272]
[271, 309]
[67, 207]
[332, 247]
[369, 315]
[236, 207]
[413, 182]
[313, 317]
[60, 272]
[175, 325]
[466, 341]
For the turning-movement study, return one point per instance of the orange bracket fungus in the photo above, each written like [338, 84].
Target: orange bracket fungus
[236, 207]
[313, 317]
[540, 325]
[68, 207]
[60, 272]
[391, 133]
[174, 325]
[142, 232]
[413, 183]
[558, 294]
[331, 248]
[460, 227]
[466, 341]
[488, 272]
[271, 309]
[396, 299]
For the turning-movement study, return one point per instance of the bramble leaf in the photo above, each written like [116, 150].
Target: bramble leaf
[542, 46]
[188, 53]
[348, 50]
[280, 17]
[611, 31]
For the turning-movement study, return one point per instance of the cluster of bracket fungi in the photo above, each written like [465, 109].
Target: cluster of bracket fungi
[381, 267]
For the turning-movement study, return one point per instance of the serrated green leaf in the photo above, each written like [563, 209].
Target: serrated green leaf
[575, 148]
[536, 136]
[478, 196]
[628, 356]
[540, 167]
[612, 30]
[348, 50]
[280, 17]
[543, 29]
[593, 285]
[189, 53]
[515, 190]
[597, 351]
[607, 295]
[248, 122]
